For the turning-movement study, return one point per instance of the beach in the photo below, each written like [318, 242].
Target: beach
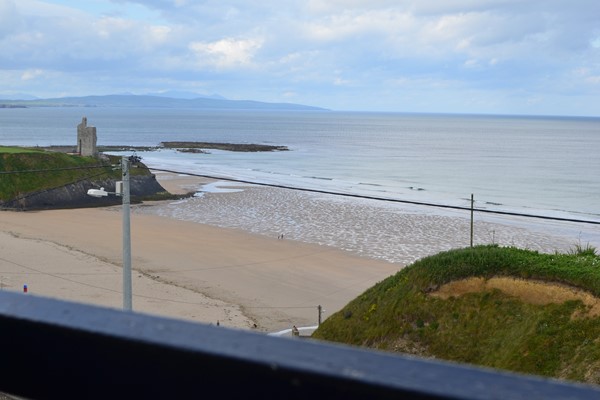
[396, 232]
[227, 275]
[181, 269]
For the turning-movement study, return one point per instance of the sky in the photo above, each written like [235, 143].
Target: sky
[526, 57]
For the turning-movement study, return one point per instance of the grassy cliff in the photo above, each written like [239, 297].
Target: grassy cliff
[417, 312]
[24, 171]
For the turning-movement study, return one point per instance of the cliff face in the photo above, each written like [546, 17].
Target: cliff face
[75, 195]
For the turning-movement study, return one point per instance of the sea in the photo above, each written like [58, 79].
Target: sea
[403, 182]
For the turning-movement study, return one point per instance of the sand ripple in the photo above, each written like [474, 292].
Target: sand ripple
[388, 231]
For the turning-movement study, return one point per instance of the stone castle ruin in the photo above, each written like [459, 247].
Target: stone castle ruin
[86, 139]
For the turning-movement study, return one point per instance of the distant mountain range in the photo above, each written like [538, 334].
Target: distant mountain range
[17, 96]
[159, 100]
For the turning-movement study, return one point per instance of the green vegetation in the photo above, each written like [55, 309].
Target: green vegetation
[41, 170]
[15, 150]
[488, 327]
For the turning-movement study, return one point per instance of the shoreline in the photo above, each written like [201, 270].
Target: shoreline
[181, 269]
[205, 273]
[396, 233]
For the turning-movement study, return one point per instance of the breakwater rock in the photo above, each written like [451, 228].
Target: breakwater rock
[240, 147]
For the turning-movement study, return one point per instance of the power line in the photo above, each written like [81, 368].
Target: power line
[61, 277]
[31, 194]
[360, 196]
[57, 276]
[275, 307]
[33, 171]
[320, 191]
[275, 260]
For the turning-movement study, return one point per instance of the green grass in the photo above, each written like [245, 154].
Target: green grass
[489, 328]
[17, 150]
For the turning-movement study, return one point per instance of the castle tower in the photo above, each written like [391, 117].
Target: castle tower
[86, 139]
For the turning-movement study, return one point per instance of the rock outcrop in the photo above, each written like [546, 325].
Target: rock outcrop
[75, 195]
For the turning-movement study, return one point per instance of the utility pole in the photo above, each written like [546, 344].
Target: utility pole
[320, 309]
[122, 189]
[127, 302]
[472, 205]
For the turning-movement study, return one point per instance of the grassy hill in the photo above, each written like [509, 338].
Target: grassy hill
[544, 319]
[24, 171]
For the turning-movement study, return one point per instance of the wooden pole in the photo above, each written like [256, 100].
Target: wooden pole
[472, 205]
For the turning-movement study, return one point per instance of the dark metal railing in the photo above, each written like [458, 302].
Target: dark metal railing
[56, 349]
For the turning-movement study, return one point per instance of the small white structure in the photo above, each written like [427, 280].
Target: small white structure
[86, 139]
[301, 331]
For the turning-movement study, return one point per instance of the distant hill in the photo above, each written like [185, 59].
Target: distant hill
[17, 96]
[176, 94]
[161, 101]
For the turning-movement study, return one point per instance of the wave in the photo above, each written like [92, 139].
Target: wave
[318, 177]
[433, 194]
[369, 184]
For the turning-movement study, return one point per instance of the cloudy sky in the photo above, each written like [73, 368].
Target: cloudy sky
[451, 56]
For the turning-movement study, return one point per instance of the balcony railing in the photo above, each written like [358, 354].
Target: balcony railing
[57, 349]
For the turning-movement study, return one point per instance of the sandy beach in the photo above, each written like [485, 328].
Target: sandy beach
[181, 269]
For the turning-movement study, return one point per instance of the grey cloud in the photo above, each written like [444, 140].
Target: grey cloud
[331, 47]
